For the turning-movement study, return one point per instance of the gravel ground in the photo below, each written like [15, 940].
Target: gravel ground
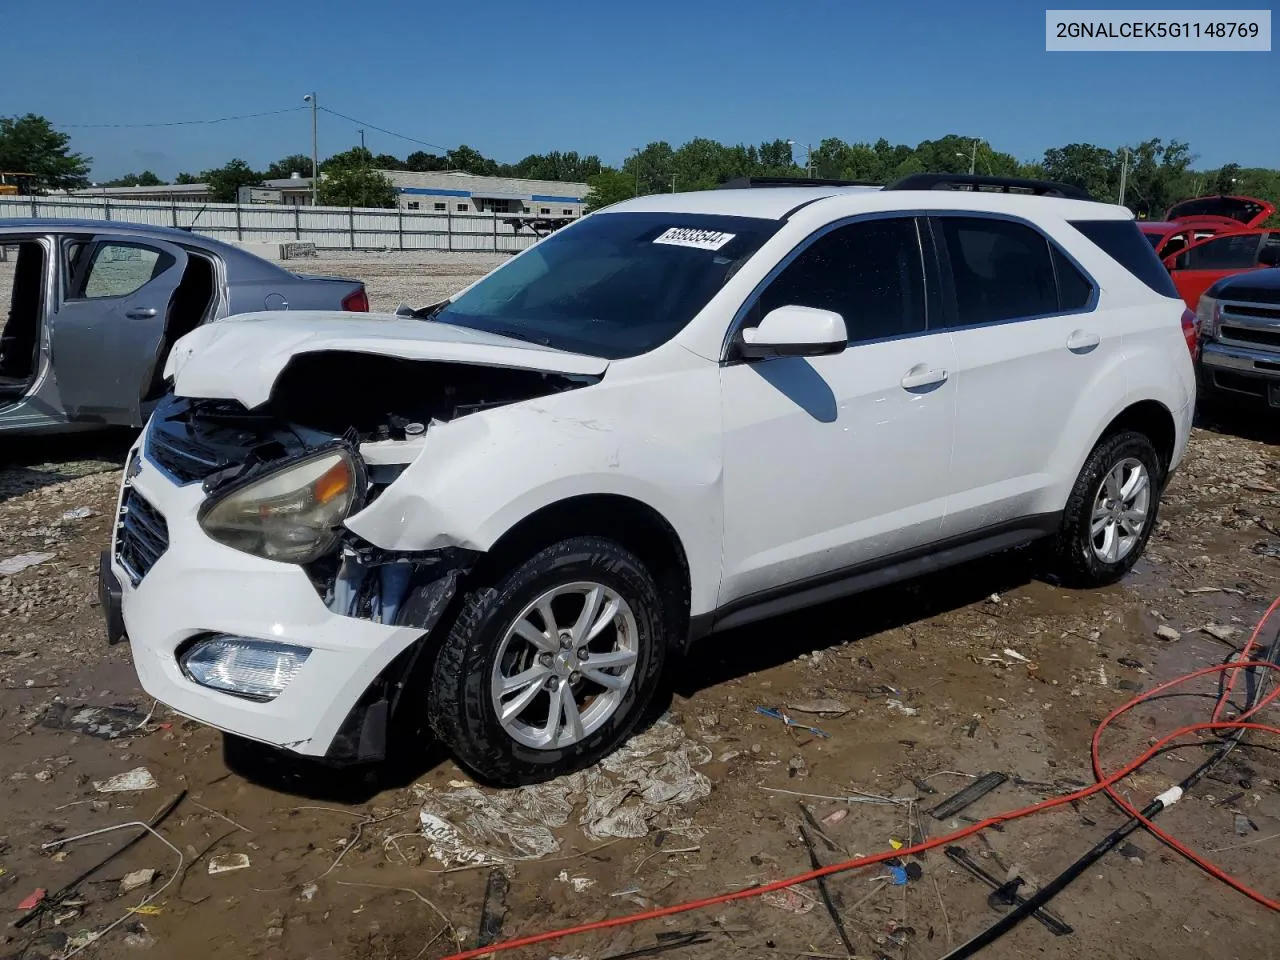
[395, 277]
[915, 686]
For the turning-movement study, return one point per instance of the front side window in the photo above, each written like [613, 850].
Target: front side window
[1232, 252]
[1002, 270]
[611, 285]
[119, 269]
[870, 272]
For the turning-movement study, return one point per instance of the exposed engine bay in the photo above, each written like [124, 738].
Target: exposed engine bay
[352, 399]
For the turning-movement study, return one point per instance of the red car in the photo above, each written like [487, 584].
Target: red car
[1204, 263]
[1202, 217]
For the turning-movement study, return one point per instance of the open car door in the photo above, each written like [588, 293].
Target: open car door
[117, 292]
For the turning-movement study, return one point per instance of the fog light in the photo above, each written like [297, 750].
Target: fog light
[243, 667]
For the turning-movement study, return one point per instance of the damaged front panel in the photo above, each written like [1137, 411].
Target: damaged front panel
[385, 404]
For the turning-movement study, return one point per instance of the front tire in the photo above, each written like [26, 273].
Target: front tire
[1111, 511]
[549, 669]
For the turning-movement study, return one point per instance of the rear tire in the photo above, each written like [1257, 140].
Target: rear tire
[512, 694]
[1111, 511]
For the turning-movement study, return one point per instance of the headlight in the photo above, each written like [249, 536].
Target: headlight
[291, 515]
[1208, 312]
[256, 669]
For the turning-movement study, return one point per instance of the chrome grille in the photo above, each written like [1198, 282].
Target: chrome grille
[142, 536]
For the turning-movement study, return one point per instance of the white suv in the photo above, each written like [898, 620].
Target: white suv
[501, 516]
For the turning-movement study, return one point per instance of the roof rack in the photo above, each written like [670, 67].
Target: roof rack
[962, 181]
[740, 183]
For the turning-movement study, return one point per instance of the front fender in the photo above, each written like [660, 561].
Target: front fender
[477, 477]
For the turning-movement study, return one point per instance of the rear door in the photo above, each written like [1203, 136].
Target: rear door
[110, 322]
[1203, 264]
[1028, 343]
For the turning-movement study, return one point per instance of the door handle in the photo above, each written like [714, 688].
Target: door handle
[914, 379]
[1081, 341]
[141, 313]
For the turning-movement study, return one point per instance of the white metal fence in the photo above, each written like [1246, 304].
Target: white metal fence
[329, 228]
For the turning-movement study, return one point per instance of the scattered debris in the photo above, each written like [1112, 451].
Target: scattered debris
[1015, 655]
[1167, 633]
[1244, 825]
[1219, 631]
[228, 862]
[1006, 893]
[136, 879]
[779, 715]
[968, 795]
[833, 708]
[652, 774]
[1129, 662]
[898, 875]
[79, 513]
[139, 778]
[579, 884]
[1133, 853]
[308, 892]
[35, 897]
[901, 708]
[104, 723]
[789, 899]
[21, 562]
[139, 941]
[494, 910]
[831, 819]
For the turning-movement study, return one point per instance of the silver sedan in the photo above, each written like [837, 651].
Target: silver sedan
[95, 306]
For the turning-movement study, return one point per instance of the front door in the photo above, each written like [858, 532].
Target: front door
[110, 322]
[831, 462]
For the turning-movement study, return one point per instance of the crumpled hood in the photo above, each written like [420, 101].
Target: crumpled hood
[240, 357]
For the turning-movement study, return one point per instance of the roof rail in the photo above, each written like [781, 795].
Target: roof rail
[739, 183]
[962, 181]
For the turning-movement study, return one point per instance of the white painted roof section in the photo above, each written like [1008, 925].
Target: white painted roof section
[769, 203]
[774, 203]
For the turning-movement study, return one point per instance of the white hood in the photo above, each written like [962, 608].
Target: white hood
[240, 357]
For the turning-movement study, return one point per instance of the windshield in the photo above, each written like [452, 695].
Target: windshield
[613, 285]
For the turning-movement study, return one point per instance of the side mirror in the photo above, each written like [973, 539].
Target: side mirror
[794, 331]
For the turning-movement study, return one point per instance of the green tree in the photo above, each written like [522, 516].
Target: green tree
[422, 162]
[385, 161]
[1227, 180]
[568, 167]
[187, 178]
[225, 182]
[351, 179]
[609, 186]
[651, 169]
[1086, 165]
[286, 167]
[144, 179]
[29, 144]
[470, 160]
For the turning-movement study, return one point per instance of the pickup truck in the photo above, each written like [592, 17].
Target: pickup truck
[1239, 351]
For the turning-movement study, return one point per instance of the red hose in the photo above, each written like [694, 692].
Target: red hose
[1106, 782]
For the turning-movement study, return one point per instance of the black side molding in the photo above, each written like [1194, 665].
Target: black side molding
[875, 573]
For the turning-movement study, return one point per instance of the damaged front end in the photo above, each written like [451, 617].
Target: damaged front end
[280, 481]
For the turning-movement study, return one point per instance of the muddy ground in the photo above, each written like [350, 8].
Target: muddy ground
[922, 693]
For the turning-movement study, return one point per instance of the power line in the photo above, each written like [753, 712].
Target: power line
[390, 133]
[181, 123]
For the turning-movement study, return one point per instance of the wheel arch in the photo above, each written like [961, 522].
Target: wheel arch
[1153, 420]
[630, 522]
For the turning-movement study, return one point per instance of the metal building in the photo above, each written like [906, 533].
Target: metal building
[457, 192]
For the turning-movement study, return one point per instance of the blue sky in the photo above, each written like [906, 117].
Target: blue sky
[513, 78]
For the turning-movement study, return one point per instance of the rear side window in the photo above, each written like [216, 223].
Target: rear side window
[1123, 242]
[1002, 270]
[869, 272]
[1074, 288]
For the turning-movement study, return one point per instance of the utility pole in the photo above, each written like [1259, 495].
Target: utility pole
[673, 183]
[635, 153]
[808, 161]
[973, 158]
[315, 152]
[1124, 175]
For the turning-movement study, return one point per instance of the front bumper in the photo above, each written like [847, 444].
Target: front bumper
[1243, 371]
[198, 586]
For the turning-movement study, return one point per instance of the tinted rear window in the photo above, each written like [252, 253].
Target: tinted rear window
[1124, 243]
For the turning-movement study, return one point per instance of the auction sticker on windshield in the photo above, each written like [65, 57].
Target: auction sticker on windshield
[693, 237]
